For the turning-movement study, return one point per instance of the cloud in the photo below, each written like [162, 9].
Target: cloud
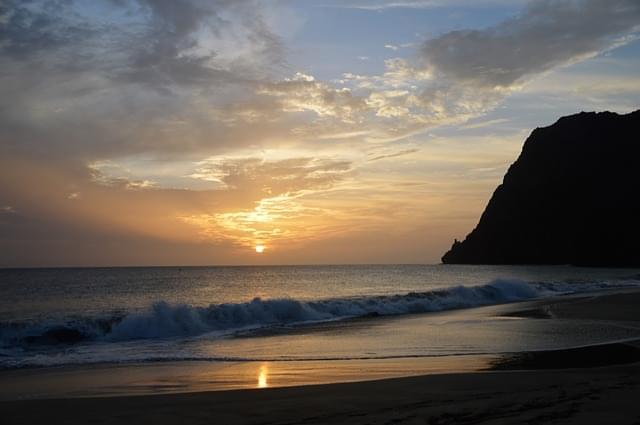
[387, 103]
[279, 188]
[393, 155]
[463, 74]
[158, 43]
[159, 77]
[396, 47]
[548, 34]
[117, 78]
[381, 5]
[281, 176]
[484, 124]
[7, 209]
[31, 28]
[304, 93]
[181, 43]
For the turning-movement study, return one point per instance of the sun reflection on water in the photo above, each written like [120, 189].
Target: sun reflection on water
[262, 376]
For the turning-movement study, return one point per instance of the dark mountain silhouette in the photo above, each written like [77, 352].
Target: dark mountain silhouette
[572, 197]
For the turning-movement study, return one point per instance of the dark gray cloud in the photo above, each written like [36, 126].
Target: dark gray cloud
[151, 42]
[160, 51]
[119, 77]
[28, 27]
[547, 34]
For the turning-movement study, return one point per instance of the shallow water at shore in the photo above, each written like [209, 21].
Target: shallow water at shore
[341, 324]
[97, 316]
[453, 341]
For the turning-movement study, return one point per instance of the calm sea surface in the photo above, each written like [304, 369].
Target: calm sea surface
[105, 315]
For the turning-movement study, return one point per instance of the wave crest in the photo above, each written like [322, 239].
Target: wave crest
[164, 320]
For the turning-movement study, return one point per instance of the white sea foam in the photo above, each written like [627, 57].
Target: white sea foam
[164, 320]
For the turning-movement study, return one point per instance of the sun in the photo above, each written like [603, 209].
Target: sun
[259, 249]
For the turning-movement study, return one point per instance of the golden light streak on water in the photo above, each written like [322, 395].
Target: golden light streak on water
[263, 375]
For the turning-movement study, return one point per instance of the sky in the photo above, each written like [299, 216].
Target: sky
[192, 132]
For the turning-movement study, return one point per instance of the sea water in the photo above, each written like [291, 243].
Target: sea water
[80, 316]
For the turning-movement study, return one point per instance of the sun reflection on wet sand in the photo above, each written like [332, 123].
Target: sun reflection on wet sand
[263, 375]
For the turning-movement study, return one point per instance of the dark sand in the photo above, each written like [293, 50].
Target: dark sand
[587, 385]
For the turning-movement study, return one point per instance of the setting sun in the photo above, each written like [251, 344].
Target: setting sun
[259, 249]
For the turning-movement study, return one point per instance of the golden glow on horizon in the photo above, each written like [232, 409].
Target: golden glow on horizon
[290, 207]
[262, 376]
[275, 221]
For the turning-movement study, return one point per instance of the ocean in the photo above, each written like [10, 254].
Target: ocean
[90, 316]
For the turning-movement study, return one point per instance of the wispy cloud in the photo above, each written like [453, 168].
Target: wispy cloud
[393, 155]
[380, 5]
[280, 214]
[484, 124]
[7, 209]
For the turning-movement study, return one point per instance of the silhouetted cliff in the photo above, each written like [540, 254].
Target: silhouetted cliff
[572, 197]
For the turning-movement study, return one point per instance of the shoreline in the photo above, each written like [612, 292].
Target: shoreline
[581, 396]
[165, 378]
[580, 383]
[153, 377]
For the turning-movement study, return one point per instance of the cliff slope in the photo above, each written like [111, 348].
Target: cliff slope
[572, 197]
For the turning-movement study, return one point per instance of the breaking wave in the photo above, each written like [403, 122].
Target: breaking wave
[164, 320]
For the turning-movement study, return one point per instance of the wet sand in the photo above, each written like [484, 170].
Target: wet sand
[108, 380]
[580, 396]
[587, 385]
[613, 305]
